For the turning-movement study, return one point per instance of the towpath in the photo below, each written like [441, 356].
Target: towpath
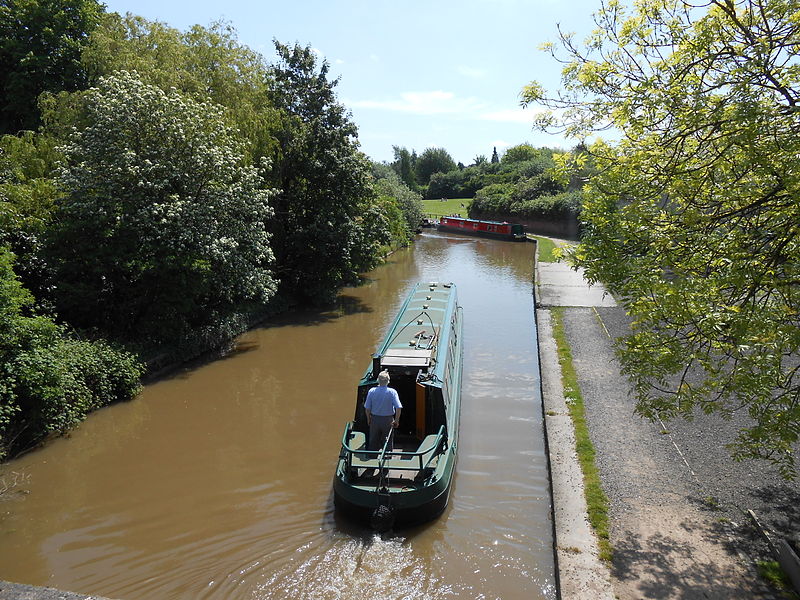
[677, 500]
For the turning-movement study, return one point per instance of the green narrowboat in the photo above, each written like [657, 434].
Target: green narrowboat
[423, 354]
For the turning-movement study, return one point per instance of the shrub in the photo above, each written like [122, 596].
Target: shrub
[555, 207]
[492, 199]
[49, 381]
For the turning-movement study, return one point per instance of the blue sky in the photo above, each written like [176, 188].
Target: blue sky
[419, 74]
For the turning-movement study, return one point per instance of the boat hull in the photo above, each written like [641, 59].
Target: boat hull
[411, 507]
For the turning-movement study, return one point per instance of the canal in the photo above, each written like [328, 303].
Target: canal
[216, 481]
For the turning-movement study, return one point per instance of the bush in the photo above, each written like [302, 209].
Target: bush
[553, 207]
[543, 184]
[493, 199]
[49, 381]
[59, 384]
[408, 202]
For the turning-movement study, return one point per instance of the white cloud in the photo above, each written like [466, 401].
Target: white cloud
[439, 102]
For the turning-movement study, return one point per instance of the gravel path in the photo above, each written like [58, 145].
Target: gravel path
[678, 501]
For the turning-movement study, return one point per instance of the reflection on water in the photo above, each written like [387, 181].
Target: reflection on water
[216, 482]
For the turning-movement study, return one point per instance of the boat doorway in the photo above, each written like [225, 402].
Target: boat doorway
[423, 413]
[413, 413]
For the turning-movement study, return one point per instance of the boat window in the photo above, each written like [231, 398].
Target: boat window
[398, 357]
[446, 384]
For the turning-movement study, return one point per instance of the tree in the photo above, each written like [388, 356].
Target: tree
[28, 195]
[692, 218]
[447, 185]
[520, 153]
[378, 226]
[409, 203]
[464, 183]
[162, 229]
[433, 160]
[204, 63]
[404, 165]
[40, 50]
[325, 181]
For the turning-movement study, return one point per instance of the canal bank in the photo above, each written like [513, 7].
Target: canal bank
[678, 502]
[582, 574]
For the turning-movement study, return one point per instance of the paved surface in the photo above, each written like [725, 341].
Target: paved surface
[678, 501]
[560, 285]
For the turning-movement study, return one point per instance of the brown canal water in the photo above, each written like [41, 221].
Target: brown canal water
[216, 482]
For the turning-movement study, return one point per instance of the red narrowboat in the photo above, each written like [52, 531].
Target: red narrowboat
[493, 229]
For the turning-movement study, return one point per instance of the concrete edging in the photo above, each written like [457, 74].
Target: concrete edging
[20, 591]
[581, 573]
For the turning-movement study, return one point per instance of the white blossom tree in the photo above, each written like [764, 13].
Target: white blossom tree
[163, 226]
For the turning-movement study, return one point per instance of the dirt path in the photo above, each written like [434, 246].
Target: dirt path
[678, 526]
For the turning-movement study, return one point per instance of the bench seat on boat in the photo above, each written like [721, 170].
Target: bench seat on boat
[396, 460]
[357, 441]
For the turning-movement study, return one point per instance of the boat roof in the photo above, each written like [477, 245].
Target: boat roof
[478, 220]
[421, 328]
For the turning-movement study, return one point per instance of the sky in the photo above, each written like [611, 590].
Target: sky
[416, 74]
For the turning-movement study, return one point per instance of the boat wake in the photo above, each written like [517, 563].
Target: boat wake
[377, 567]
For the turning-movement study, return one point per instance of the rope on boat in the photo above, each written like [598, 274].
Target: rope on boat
[414, 322]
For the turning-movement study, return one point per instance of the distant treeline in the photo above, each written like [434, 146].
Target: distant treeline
[160, 190]
[526, 183]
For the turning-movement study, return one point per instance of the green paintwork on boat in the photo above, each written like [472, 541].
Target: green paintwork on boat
[423, 353]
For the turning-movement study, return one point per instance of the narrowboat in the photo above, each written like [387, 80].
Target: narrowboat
[410, 483]
[493, 229]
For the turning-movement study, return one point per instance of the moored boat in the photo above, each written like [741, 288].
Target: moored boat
[422, 352]
[494, 229]
[429, 223]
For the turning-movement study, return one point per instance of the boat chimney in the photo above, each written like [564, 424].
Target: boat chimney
[376, 365]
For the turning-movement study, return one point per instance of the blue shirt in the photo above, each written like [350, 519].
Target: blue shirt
[382, 400]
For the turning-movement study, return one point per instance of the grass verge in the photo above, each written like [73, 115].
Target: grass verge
[771, 572]
[444, 208]
[545, 247]
[596, 499]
